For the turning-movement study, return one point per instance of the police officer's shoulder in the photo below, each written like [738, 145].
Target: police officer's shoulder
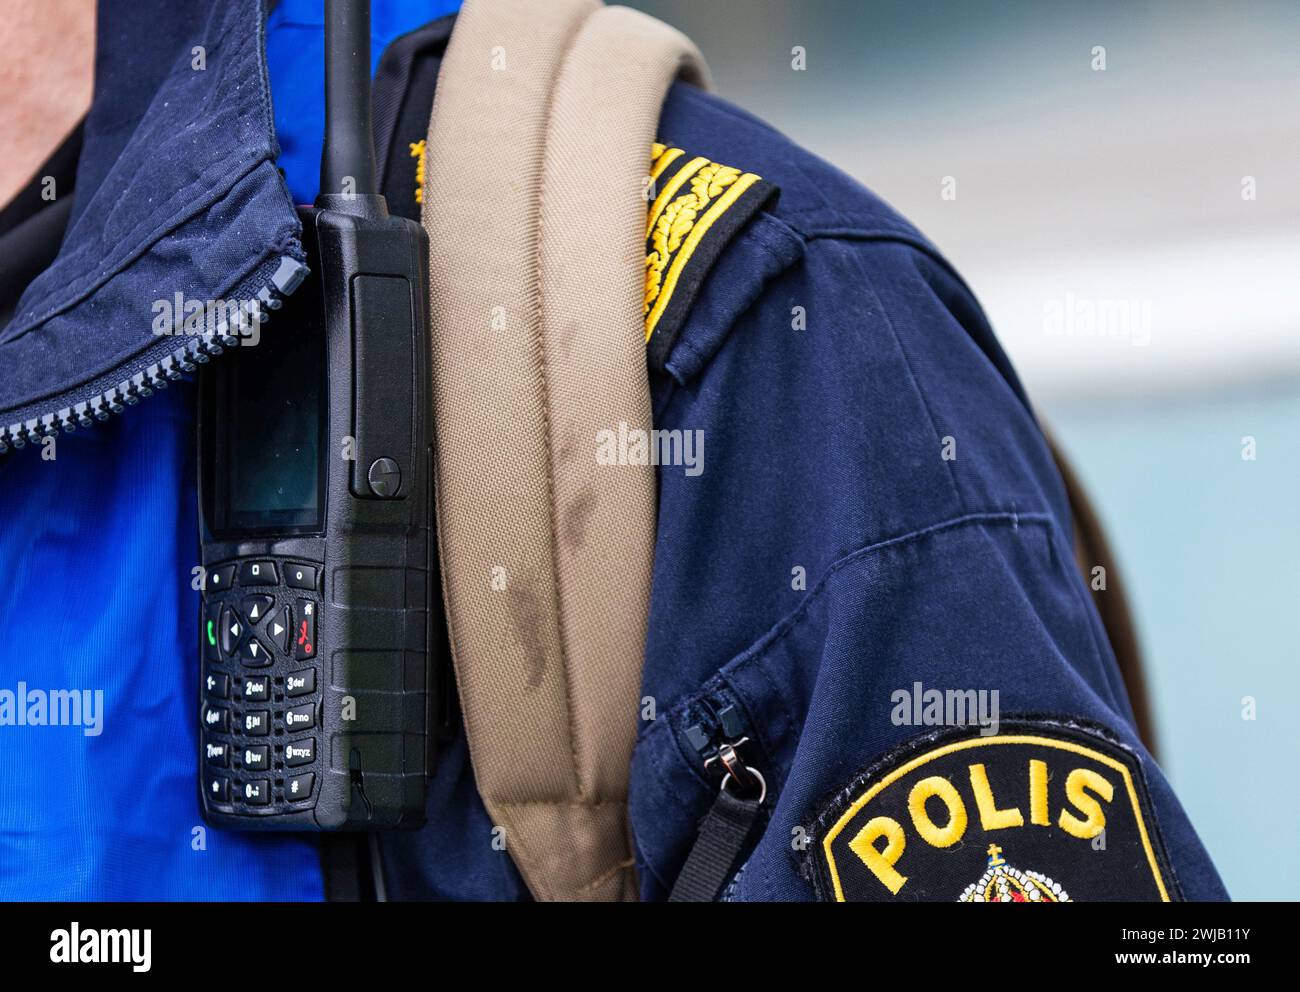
[713, 247]
[886, 326]
[816, 198]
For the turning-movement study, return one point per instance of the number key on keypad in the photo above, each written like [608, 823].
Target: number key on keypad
[218, 755]
[257, 689]
[301, 752]
[216, 685]
[300, 683]
[216, 718]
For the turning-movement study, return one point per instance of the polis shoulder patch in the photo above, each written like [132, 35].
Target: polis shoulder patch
[696, 207]
[1043, 811]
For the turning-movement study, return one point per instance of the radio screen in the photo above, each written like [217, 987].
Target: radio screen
[266, 429]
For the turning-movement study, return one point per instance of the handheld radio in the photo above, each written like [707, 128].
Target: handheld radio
[318, 694]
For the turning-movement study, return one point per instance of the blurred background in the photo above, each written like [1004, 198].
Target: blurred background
[1127, 209]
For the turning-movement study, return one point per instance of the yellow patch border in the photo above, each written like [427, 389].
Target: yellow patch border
[973, 742]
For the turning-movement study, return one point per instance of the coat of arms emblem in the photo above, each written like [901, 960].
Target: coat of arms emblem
[1002, 882]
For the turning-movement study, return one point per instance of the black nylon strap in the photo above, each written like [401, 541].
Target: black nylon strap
[345, 867]
[721, 838]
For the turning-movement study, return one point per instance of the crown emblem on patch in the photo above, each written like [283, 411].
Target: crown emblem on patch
[1003, 883]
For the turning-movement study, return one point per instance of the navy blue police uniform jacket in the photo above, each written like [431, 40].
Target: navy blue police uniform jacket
[864, 572]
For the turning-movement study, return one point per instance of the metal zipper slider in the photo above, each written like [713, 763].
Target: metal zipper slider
[725, 760]
[746, 781]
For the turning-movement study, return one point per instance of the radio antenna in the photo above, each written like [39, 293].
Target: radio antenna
[347, 162]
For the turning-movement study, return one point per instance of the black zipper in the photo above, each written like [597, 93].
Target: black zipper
[716, 734]
[66, 413]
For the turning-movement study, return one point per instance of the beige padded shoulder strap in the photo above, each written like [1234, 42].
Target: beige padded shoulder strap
[534, 202]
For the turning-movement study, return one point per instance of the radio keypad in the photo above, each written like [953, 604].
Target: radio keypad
[260, 685]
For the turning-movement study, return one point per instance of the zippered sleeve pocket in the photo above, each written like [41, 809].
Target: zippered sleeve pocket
[920, 648]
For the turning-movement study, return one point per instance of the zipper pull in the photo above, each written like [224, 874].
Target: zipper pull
[744, 780]
[724, 832]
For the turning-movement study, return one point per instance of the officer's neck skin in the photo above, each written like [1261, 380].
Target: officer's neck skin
[47, 60]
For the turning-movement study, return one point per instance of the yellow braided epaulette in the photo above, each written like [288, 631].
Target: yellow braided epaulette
[696, 207]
